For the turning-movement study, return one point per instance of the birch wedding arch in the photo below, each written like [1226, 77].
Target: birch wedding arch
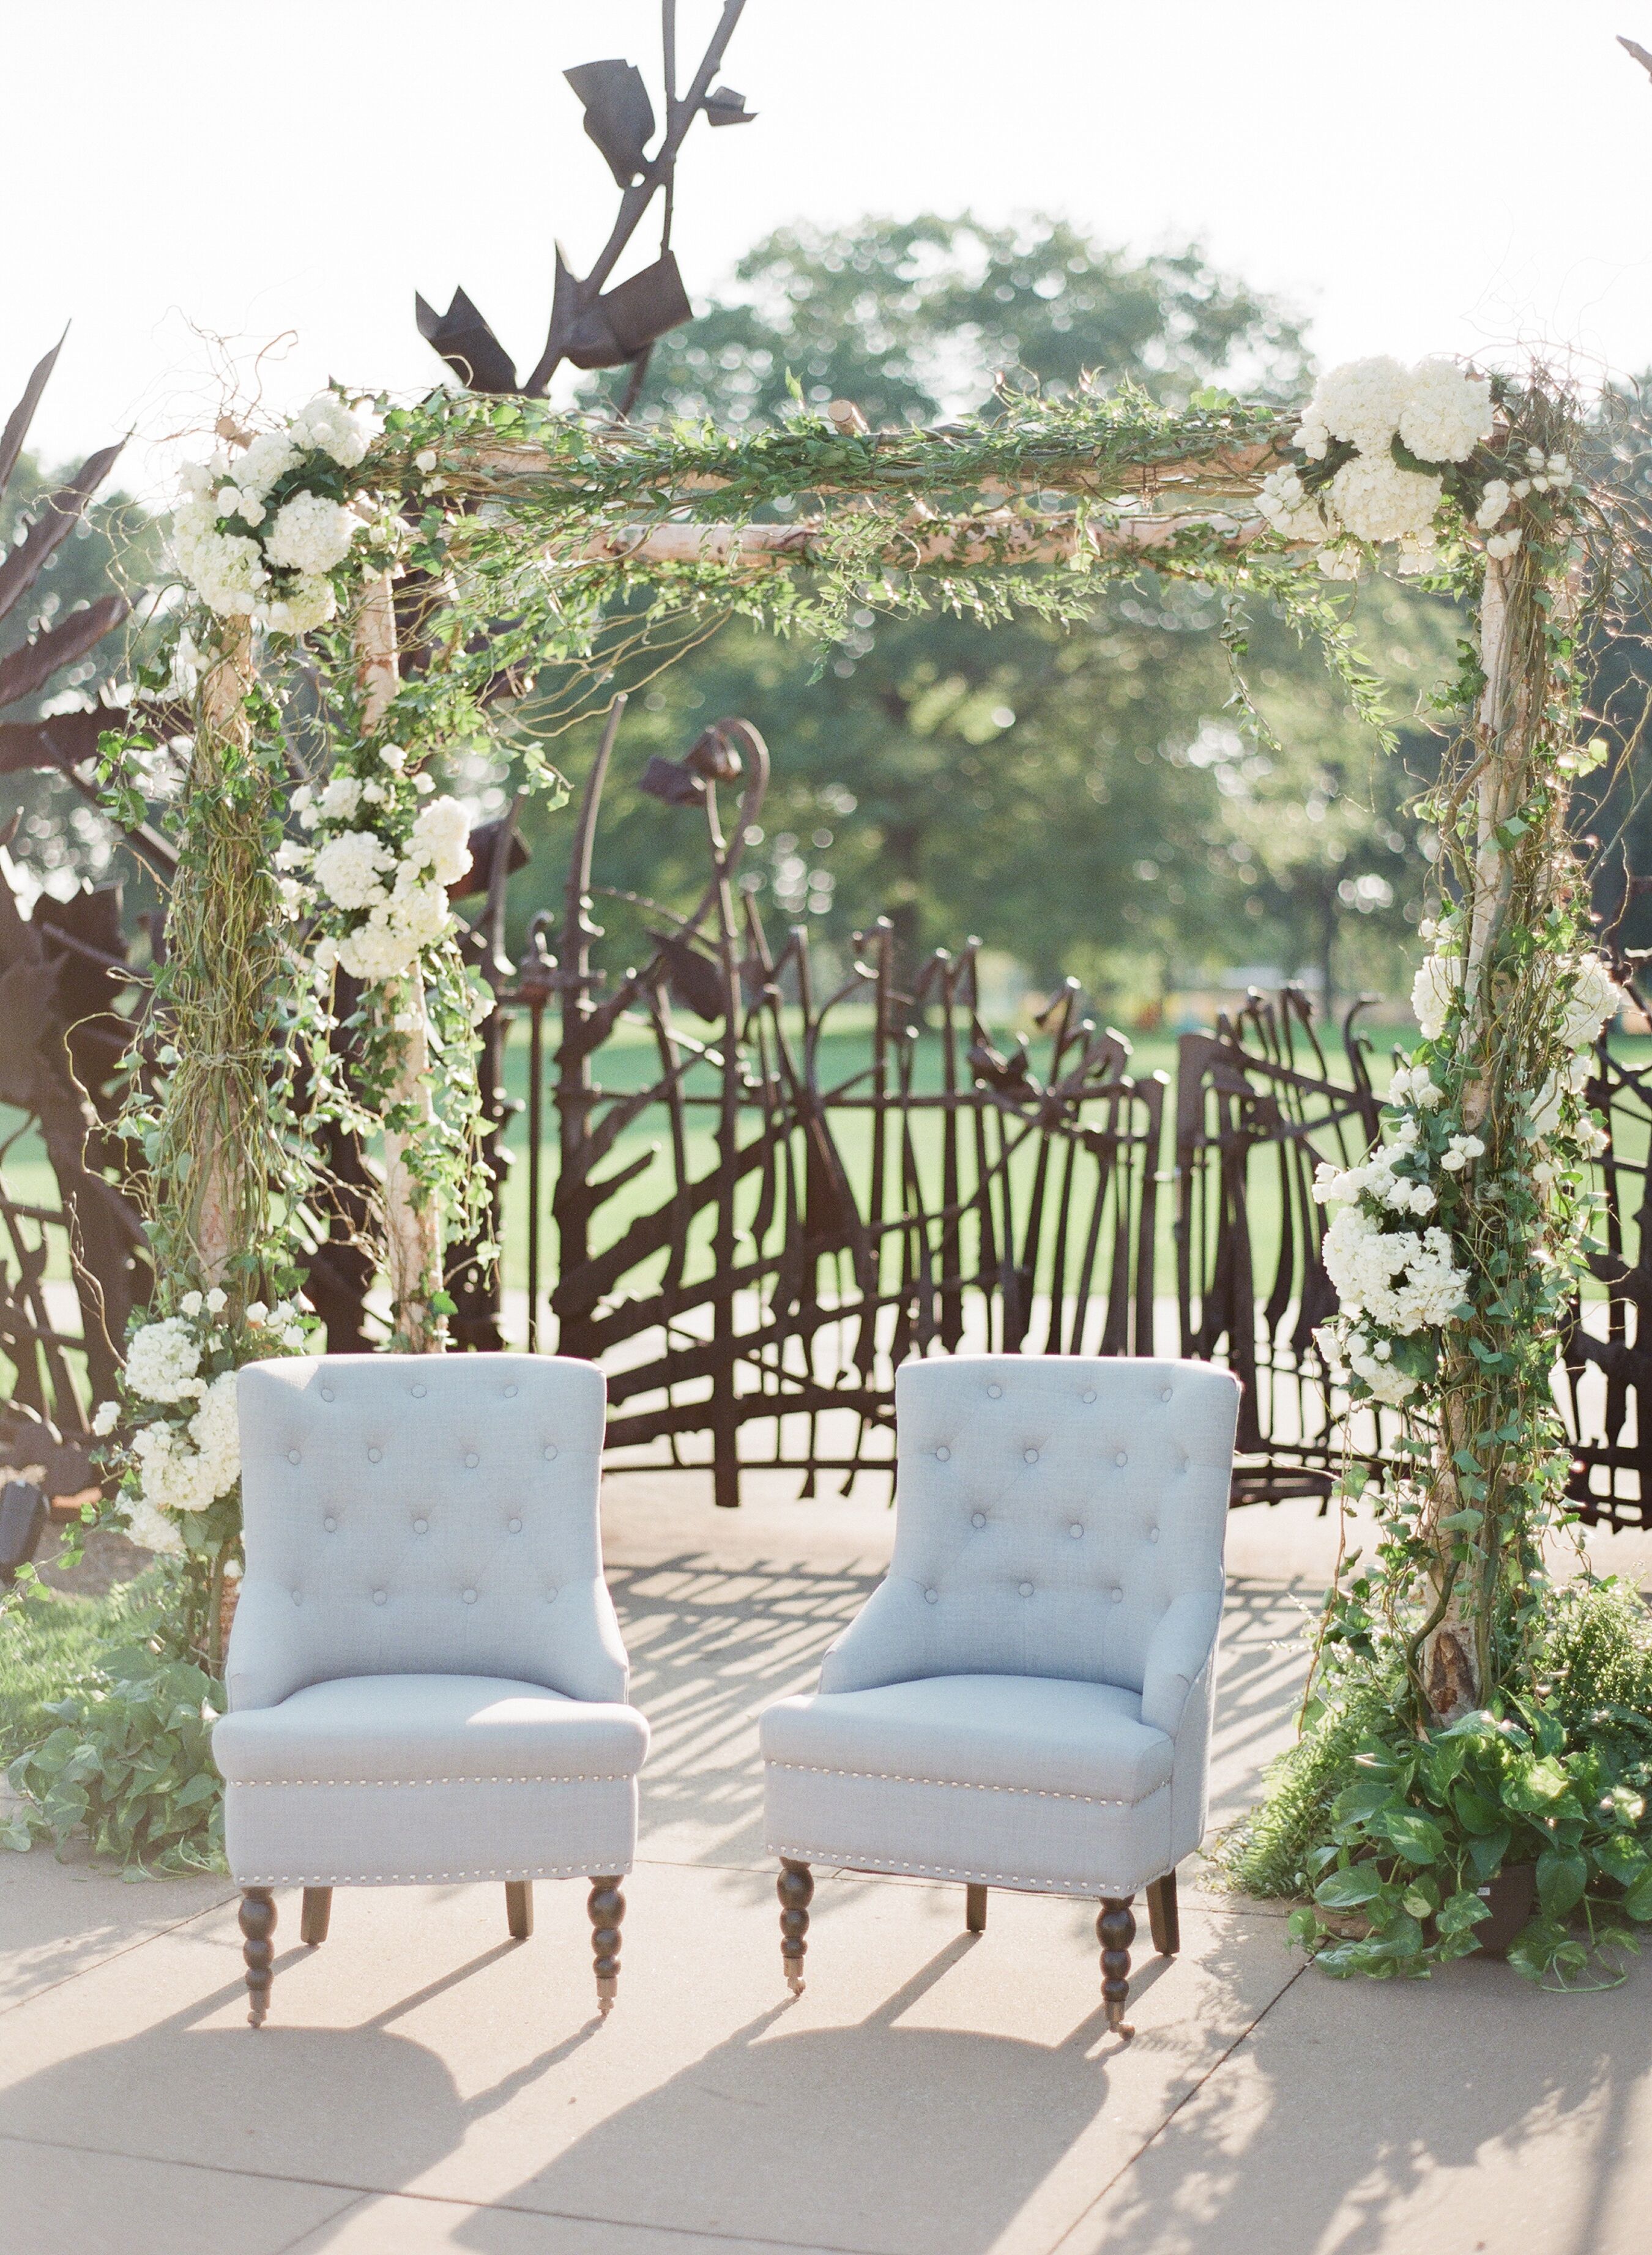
[352, 582]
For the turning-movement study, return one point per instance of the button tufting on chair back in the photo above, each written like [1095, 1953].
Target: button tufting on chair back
[1052, 1511]
[422, 1513]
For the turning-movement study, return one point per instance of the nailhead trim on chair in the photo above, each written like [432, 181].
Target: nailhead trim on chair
[416, 1878]
[849, 1859]
[597, 1777]
[969, 1785]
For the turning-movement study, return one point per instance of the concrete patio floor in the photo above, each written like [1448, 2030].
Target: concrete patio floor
[424, 2083]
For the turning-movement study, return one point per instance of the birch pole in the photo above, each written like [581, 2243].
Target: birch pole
[412, 1224]
[1516, 877]
[211, 1161]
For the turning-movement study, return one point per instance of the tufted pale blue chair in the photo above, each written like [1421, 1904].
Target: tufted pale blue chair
[426, 1676]
[1025, 1701]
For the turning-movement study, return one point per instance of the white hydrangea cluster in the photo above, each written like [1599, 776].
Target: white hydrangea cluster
[184, 1461]
[350, 868]
[1375, 500]
[216, 543]
[403, 899]
[311, 534]
[1406, 1280]
[162, 1360]
[188, 1467]
[1369, 1357]
[1439, 413]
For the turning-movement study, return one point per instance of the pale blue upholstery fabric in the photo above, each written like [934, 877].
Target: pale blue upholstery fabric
[1025, 1700]
[426, 1674]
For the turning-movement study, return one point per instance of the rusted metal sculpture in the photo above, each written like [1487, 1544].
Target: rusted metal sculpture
[1257, 1109]
[62, 1040]
[591, 325]
[1014, 1204]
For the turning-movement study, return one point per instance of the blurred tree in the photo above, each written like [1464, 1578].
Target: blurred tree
[912, 320]
[1082, 799]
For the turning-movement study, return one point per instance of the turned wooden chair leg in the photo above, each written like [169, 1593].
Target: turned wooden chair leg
[606, 1908]
[1115, 1931]
[975, 1910]
[796, 1890]
[1164, 1916]
[312, 1919]
[257, 1925]
[519, 1908]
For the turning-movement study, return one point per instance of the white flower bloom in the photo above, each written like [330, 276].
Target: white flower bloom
[1376, 500]
[191, 1303]
[1363, 401]
[311, 534]
[1502, 545]
[162, 1360]
[1401, 1279]
[425, 459]
[393, 757]
[1593, 1002]
[1535, 459]
[1339, 561]
[350, 868]
[217, 1301]
[307, 604]
[440, 841]
[1546, 1110]
[326, 427]
[1493, 504]
[1446, 413]
[396, 932]
[1433, 991]
[289, 854]
[1284, 502]
[106, 1418]
[151, 1529]
[341, 799]
[267, 458]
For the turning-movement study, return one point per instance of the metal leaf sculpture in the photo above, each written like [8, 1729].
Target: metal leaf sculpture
[592, 326]
[60, 1039]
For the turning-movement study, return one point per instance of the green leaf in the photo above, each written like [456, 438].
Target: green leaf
[1561, 1876]
[1303, 1927]
[1462, 1911]
[1359, 1802]
[1417, 1838]
[1486, 1852]
[1347, 1890]
[1475, 1811]
[1638, 1901]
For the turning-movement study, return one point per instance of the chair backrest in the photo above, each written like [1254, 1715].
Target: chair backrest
[428, 1514]
[1053, 1508]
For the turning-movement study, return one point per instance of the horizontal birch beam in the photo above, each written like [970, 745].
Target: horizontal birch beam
[915, 546]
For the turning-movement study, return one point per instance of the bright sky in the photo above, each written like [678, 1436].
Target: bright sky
[1416, 176]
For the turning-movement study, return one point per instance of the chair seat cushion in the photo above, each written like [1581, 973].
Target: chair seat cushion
[1017, 1733]
[381, 1730]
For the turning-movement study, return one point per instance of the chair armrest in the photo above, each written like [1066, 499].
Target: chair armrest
[881, 1645]
[1178, 1653]
[587, 1660]
[261, 1667]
